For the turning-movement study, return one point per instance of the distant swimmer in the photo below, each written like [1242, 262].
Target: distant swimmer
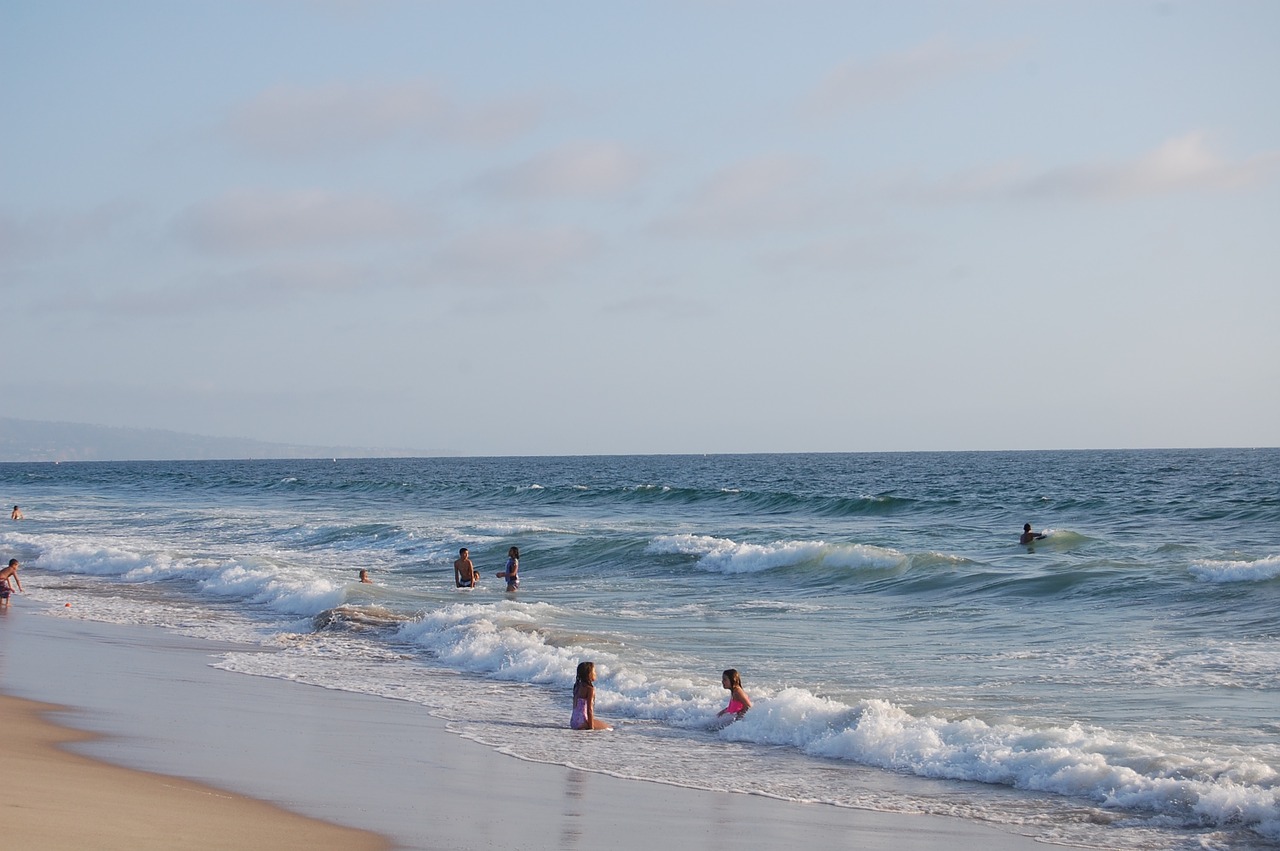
[464, 572]
[512, 573]
[17, 513]
[364, 577]
[1028, 536]
[7, 574]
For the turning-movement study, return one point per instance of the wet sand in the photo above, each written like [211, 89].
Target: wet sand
[56, 800]
[351, 761]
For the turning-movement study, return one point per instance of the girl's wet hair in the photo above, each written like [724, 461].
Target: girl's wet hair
[585, 670]
[731, 674]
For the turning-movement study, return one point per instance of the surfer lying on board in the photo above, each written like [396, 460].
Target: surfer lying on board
[1028, 536]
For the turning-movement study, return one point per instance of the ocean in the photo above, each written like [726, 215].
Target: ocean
[1115, 684]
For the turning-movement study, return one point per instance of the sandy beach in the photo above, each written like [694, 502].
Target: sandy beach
[157, 749]
[57, 800]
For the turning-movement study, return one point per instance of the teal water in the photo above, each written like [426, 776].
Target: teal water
[1113, 685]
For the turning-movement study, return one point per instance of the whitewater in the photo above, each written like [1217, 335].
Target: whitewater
[1112, 685]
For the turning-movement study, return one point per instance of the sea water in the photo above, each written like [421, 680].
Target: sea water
[1115, 684]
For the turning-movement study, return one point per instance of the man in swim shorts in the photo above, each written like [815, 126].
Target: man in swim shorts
[8, 573]
[464, 572]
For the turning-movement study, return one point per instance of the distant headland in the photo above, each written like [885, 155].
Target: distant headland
[31, 440]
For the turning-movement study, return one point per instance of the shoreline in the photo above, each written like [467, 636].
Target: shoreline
[59, 800]
[362, 763]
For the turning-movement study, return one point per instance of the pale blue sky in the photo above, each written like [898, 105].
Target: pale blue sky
[717, 226]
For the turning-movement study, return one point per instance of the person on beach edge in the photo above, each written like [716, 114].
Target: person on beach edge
[584, 700]
[464, 572]
[511, 574]
[10, 572]
[739, 703]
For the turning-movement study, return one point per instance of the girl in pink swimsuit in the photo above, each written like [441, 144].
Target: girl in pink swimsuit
[584, 700]
[739, 703]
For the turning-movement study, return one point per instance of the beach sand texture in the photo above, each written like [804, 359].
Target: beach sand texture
[152, 703]
[56, 800]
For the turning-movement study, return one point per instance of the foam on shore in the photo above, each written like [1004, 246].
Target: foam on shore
[388, 766]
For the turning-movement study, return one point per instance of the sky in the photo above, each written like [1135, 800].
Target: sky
[515, 228]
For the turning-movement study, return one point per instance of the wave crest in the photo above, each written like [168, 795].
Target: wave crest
[1261, 570]
[722, 555]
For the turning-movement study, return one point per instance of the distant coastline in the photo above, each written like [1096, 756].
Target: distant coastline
[34, 440]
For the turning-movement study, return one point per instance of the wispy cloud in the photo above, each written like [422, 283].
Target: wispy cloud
[581, 170]
[1184, 163]
[344, 118]
[509, 256]
[248, 221]
[256, 286]
[749, 196]
[34, 234]
[664, 306]
[860, 82]
[1181, 164]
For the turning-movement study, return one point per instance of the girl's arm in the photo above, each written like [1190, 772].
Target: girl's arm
[589, 693]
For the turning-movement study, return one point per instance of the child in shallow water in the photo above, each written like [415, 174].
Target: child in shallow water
[512, 573]
[739, 703]
[584, 700]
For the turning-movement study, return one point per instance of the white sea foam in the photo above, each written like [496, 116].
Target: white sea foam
[1236, 571]
[278, 585]
[1157, 776]
[722, 555]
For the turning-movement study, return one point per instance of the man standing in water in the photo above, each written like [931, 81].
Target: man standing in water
[1028, 536]
[10, 572]
[17, 513]
[464, 572]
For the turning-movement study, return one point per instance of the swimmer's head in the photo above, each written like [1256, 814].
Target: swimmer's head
[731, 679]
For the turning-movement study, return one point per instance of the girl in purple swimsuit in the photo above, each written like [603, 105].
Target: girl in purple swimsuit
[584, 700]
[739, 703]
[512, 573]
